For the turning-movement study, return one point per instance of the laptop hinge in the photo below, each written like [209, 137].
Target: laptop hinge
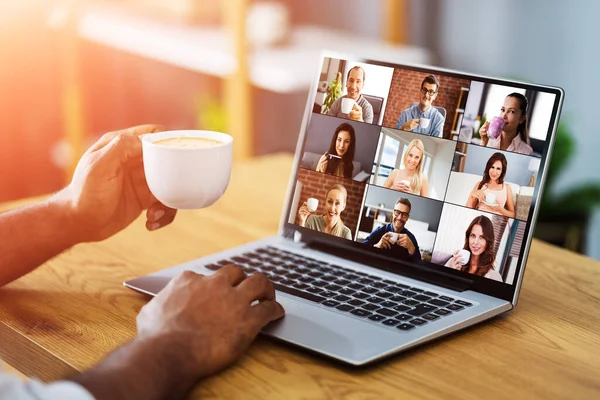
[389, 264]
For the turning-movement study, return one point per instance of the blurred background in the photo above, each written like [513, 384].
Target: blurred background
[72, 70]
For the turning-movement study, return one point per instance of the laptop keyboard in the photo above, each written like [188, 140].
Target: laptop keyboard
[369, 297]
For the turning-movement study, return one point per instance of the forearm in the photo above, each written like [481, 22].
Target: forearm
[151, 368]
[31, 235]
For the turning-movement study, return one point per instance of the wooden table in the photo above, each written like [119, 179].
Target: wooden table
[67, 315]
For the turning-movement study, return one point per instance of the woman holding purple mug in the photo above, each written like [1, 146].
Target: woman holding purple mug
[508, 131]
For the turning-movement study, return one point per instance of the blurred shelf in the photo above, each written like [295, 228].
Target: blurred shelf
[210, 50]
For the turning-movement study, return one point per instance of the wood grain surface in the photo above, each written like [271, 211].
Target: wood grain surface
[68, 314]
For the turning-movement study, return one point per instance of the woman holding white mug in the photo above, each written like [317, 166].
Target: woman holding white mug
[493, 187]
[410, 179]
[477, 255]
[330, 222]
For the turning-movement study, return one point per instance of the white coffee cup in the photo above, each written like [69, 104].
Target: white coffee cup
[187, 177]
[312, 204]
[406, 182]
[490, 198]
[424, 123]
[464, 256]
[347, 104]
[394, 237]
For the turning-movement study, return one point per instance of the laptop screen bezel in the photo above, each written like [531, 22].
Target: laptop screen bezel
[479, 284]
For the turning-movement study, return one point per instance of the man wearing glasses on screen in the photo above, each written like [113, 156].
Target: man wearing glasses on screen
[422, 117]
[394, 237]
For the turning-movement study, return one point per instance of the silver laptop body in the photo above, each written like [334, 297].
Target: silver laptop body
[348, 328]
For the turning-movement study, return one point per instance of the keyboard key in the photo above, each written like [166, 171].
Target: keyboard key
[392, 289]
[431, 294]
[388, 304]
[454, 307]
[364, 281]
[356, 302]
[239, 259]
[407, 293]
[446, 298]
[328, 293]
[411, 302]
[287, 282]
[404, 317]
[302, 286]
[442, 312]
[225, 262]
[402, 286]
[405, 327]
[384, 295]
[397, 299]
[320, 283]
[391, 322]
[430, 317]
[386, 312]
[421, 309]
[344, 307]
[342, 297]
[347, 291]
[361, 295]
[414, 289]
[342, 282]
[349, 277]
[421, 297]
[335, 288]
[315, 274]
[329, 278]
[330, 303]
[402, 308]
[356, 286]
[213, 267]
[370, 306]
[314, 289]
[439, 303]
[389, 282]
[374, 277]
[378, 285]
[295, 292]
[377, 317]
[463, 303]
[370, 290]
[293, 275]
[361, 313]
[418, 321]
[374, 300]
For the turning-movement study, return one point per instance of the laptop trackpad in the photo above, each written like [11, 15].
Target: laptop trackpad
[323, 330]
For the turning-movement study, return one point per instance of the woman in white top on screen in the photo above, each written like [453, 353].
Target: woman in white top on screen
[493, 183]
[514, 135]
[410, 179]
[479, 242]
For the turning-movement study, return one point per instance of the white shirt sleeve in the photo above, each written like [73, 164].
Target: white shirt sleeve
[12, 388]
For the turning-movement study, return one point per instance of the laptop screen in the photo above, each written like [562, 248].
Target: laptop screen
[426, 166]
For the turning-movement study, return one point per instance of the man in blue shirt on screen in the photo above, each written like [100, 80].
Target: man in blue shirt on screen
[422, 117]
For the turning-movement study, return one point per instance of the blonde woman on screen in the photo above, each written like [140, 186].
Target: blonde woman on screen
[410, 179]
[330, 222]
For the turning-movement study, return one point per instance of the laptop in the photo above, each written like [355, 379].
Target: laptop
[420, 222]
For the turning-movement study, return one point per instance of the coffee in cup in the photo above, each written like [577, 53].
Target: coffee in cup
[495, 128]
[463, 256]
[187, 169]
[347, 105]
[424, 123]
[312, 204]
[490, 198]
